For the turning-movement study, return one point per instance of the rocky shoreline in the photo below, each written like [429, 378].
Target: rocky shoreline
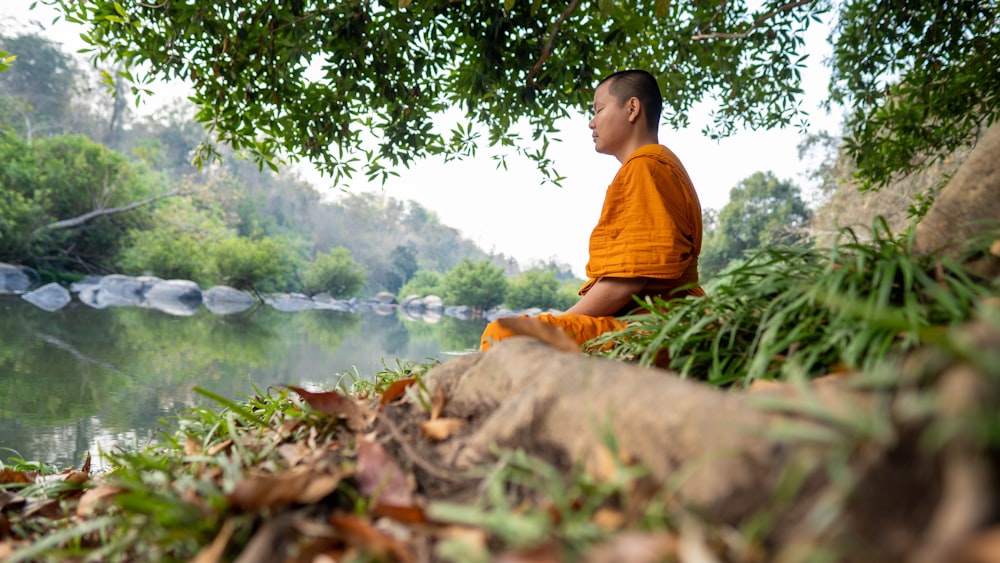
[185, 298]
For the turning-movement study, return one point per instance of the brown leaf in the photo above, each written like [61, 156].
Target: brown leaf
[549, 334]
[408, 514]
[396, 390]
[220, 447]
[608, 519]
[191, 446]
[298, 485]
[86, 465]
[332, 403]
[636, 547]
[362, 535]
[379, 476]
[10, 476]
[213, 552]
[438, 402]
[8, 498]
[549, 552]
[441, 428]
[93, 499]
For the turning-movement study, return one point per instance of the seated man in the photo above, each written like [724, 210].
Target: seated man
[648, 238]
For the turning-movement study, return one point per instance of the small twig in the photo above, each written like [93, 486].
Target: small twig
[756, 23]
[547, 50]
[416, 458]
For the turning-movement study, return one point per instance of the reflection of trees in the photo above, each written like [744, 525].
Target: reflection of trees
[80, 374]
[452, 335]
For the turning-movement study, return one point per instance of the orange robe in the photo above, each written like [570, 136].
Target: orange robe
[650, 227]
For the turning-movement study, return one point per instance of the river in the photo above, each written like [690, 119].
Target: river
[84, 380]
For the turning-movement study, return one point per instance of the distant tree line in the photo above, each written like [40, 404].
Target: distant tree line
[67, 150]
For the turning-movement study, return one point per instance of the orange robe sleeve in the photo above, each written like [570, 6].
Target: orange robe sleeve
[650, 225]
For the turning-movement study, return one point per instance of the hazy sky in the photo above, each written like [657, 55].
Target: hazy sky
[510, 211]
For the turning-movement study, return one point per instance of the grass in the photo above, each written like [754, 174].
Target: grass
[837, 309]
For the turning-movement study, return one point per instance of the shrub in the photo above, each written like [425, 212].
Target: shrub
[539, 288]
[334, 272]
[480, 285]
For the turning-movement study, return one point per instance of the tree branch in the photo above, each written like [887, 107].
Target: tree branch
[81, 219]
[756, 23]
[547, 50]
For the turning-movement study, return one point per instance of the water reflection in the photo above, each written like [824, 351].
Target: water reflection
[83, 378]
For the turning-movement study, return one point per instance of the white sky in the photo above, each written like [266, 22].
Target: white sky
[510, 211]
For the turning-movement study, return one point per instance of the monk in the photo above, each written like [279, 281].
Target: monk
[648, 238]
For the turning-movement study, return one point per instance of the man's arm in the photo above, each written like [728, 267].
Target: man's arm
[608, 296]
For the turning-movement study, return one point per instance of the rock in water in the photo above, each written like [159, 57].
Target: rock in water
[225, 300]
[14, 279]
[175, 297]
[50, 297]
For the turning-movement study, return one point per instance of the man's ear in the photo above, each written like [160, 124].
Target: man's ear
[634, 109]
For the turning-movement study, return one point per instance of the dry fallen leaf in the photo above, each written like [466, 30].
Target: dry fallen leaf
[93, 499]
[636, 547]
[549, 334]
[332, 403]
[213, 552]
[396, 390]
[11, 476]
[191, 446]
[380, 476]
[441, 428]
[361, 534]
[409, 514]
[438, 402]
[608, 519]
[220, 447]
[298, 485]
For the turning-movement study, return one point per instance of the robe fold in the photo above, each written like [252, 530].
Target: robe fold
[650, 227]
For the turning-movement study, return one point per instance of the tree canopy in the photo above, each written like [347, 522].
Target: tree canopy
[762, 211]
[329, 81]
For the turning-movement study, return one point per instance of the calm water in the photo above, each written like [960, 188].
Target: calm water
[81, 379]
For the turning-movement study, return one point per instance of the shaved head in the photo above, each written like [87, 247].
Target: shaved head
[641, 85]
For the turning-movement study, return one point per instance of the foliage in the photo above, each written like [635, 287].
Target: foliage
[387, 71]
[820, 310]
[538, 288]
[762, 211]
[37, 90]
[62, 177]
[918, 79]
[423, 283]
[265, 264]
[168, 253]
[480, 285]
[334, 272]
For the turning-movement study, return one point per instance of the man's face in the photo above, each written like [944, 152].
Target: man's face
[610, 124]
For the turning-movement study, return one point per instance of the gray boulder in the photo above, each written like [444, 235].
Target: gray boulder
[50, 297]
[290, 302]
[174, 297]
[16, 279]
[89, 281]
[119, 290]
[225, 300]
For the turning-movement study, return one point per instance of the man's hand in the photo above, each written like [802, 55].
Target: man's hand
[608, 296]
